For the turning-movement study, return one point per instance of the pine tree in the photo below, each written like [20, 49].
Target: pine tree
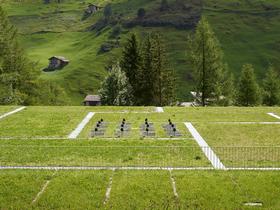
[206, 59]
[271, 85]
[163, 92]
[17, 73]
[249, 93]
[116, 89]
[156, 76]
[131, 63]
[146, 73]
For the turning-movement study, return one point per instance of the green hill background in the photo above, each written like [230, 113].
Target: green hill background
[247, 29]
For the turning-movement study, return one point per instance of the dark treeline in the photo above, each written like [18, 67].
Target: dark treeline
[146, 72]
[19, 77]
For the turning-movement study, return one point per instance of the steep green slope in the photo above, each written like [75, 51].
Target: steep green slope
[247, 29]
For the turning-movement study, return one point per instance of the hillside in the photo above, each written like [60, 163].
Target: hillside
[247, 29]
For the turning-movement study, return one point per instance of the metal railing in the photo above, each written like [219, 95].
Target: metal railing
[249, 157]
[138, 156]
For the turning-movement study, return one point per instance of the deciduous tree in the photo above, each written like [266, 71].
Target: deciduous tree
[206, 58]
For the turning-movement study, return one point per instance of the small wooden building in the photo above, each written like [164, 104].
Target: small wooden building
[92, 9]
[92, 100]
[56, 62]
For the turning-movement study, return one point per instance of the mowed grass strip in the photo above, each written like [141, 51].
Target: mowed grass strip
[102, 153]
[141, 190]
[114, 120]
[75, 190]
[238, 135]
[227, 190]
[18, 188]
[42, 122]
[223, 114]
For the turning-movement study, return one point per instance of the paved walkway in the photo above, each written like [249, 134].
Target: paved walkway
[12, 112]
[81, 126]
[159, 109]
[274, 115]
[209, 153]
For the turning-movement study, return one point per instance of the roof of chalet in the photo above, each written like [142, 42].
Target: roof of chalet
[92, 98]
[59, 58]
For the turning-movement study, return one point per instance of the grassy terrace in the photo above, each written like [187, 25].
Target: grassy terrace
[223, 114]
[60, 121]
[240, 135]
[139, 190]
[49, 121]
[101, 153]
[218, 126]
[42, 121]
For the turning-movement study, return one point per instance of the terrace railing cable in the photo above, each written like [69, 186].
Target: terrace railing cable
[137, 156]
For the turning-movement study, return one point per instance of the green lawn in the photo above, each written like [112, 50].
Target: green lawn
[42, 122]
[139, 189]
[75, 190]
[227, 190]
[224, 135]
[223, 114]
[101, 153]
[19, 188]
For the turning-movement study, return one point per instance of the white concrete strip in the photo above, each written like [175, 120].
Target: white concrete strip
[173, 184]
[253, 204]
[109, 188]
[159, 109]
[93, 168]
[274, 115]
[209, 153]
[42, 190]
[12, 112]
[81, 126]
